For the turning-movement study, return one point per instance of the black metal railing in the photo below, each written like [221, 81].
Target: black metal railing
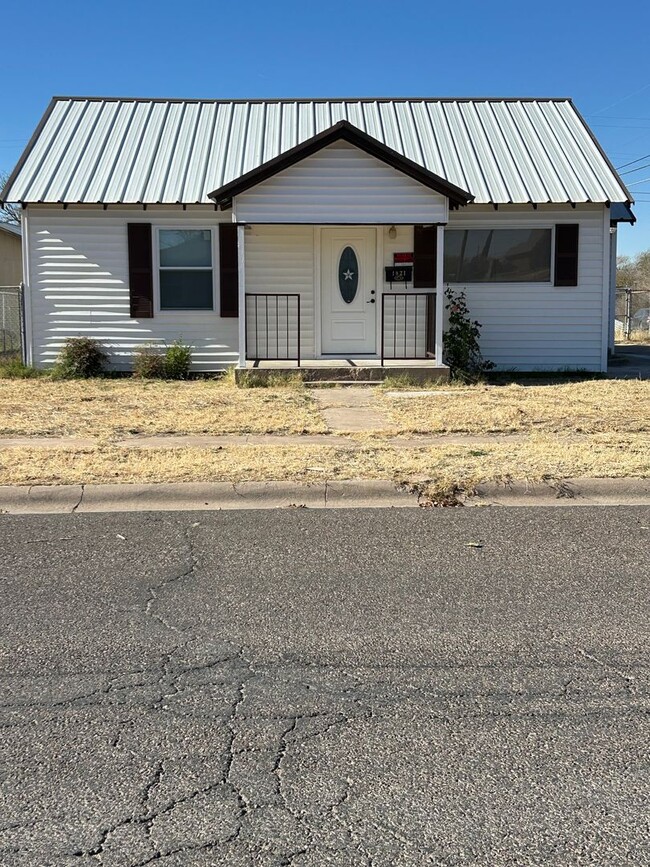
[273, 326]
[408, 326]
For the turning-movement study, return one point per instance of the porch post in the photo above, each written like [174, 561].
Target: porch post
[440, 296]
[241, 279]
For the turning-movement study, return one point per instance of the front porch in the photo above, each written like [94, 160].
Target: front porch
[298, 312]
[406, 341]
[347, 369]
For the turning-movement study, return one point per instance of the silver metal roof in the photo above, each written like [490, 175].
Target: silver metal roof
[149, 151]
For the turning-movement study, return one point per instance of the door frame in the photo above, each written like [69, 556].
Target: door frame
[379, 289]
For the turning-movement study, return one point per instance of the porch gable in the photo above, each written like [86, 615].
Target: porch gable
[341, 184]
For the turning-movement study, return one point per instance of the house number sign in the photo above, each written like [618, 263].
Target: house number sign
[399, 274]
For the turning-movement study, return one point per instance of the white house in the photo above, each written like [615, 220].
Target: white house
[319, 232]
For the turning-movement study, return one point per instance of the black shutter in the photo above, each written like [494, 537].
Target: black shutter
[228, 270]
[425, 240]
[140, 270]
[566, 254]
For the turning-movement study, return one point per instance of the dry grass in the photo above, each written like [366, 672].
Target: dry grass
[441, 468]
[113, 408]
[639, 336]
[598, 406]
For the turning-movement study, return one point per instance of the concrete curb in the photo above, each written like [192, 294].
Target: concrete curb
[37, 499]
[568, 492]
[367, 494]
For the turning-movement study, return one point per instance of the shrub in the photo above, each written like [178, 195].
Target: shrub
[148, 363]
[461, 350]
[80, 358]
[13, 368]
[177, 361]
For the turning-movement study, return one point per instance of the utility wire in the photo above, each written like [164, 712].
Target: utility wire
[638, 169]
[631, 163]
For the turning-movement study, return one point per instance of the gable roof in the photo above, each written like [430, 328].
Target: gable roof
[150, 151]
[341, 131]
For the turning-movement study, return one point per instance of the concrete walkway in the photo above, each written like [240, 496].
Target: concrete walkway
[351, 409]
[204, 441]
[631, 361]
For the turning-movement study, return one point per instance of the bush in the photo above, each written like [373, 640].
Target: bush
[148, 363]
[80, 358]
[461, 350]
[177, 361]
[13, 368]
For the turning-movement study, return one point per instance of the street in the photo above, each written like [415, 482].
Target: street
[355, 688]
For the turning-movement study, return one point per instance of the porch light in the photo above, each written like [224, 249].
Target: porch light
[392, 232]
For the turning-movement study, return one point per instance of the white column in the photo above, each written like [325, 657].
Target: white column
[241, 274]
[440, 297]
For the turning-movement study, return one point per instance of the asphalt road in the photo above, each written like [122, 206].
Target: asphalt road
[371, 688]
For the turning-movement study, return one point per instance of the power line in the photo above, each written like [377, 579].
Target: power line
[637, 169]
[631, 163]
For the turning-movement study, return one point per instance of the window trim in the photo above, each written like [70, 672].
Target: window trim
[157, 267]
[509, 226]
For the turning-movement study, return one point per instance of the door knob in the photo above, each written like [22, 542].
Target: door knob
[372, 301]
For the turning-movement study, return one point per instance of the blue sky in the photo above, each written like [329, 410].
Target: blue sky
[575, 48]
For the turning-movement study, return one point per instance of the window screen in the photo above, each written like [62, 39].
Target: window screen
[497, 255]
[185, 258]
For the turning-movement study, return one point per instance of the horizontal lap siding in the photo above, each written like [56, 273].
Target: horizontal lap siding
[79, 286]
[280, 259]
[340, 184]
[531, 326]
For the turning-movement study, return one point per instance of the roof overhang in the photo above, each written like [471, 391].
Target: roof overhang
[621, 212]
[341, 131]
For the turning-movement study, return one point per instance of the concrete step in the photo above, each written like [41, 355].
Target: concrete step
[348, 383]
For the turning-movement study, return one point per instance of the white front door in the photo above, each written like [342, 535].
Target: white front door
[349, 291]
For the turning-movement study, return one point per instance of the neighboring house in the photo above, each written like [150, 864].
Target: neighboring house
[267, 232]
[11, 260]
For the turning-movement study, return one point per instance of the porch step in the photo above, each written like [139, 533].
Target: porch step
[329, 383]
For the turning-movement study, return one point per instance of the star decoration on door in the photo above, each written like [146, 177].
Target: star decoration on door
[348, 274]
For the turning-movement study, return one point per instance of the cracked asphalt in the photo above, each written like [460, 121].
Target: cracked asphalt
[360, 687]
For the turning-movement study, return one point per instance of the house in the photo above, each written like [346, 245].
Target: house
[11, 262]
[320, 233]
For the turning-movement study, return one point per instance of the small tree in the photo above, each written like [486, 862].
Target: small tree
[461, 350]
[9, 213]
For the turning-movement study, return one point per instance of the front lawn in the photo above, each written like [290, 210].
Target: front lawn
[596, 406]
[115, 408]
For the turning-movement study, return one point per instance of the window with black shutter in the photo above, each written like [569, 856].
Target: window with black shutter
[567, 237]
[140, 270]
[228, 270]
[425, 241]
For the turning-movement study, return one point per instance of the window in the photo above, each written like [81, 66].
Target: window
[185, 269]
[498, 255]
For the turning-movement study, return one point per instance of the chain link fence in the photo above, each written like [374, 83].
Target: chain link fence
[12, 322]
[632, 316]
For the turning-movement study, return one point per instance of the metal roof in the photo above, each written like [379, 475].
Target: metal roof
[151, 151]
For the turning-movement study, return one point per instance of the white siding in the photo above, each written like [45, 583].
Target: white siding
[79, 285]
[340, 184]
[538, 326]
[280, 259]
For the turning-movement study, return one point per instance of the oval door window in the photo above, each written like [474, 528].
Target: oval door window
[348, 274]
